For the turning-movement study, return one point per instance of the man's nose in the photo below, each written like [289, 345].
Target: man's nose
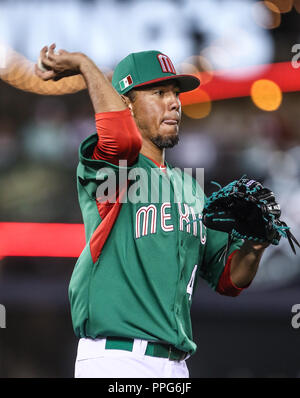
[174, 102]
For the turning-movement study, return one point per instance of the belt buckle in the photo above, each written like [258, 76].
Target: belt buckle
[184, 356]
[181, 358]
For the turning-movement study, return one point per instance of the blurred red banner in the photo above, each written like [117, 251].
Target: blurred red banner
[41, 239]
[221, 85]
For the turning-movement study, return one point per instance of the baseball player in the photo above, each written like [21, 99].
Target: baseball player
[132, 286]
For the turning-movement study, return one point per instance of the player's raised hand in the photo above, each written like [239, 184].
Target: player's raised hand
[56, 65]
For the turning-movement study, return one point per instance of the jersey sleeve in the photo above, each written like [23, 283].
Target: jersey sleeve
[211, 264]
[225, 285]
[118, 137]
[92, 175]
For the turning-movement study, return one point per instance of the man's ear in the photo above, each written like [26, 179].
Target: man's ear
[127, 101]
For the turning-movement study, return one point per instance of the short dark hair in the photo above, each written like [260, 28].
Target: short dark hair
[131, 95]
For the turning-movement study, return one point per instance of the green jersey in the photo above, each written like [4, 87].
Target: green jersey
[142, 260]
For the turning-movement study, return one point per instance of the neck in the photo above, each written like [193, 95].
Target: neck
[153, 152]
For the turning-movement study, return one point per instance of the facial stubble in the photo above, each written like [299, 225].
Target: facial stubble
[163, 142]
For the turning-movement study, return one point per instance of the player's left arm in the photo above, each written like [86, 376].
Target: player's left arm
[245, 263]
[240, 268]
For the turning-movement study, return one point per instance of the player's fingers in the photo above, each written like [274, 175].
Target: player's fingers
[37, 71]
[44, 75]
[48, 63]
[52, 47]
[51, 52]
[43, 52]
[46, 55]
[49, 75]
[48, 58]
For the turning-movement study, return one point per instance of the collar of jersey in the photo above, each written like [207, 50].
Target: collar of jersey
[162, 167]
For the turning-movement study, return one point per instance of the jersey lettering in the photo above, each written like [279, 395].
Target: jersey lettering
[202, 236]
[165, 217]
[195, 221]
[184, 217]
[146, 220]
[141, 229]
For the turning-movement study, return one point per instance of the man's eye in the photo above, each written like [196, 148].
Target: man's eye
[159, 92]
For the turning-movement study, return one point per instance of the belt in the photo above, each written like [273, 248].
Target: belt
[153, 349]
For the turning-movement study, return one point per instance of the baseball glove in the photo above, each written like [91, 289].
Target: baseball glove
[247, 210]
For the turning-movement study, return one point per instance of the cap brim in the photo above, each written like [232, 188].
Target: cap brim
[185, 82]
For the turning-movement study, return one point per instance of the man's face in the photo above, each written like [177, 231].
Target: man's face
[157, 112]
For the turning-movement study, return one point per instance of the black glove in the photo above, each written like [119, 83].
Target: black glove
[245, 209]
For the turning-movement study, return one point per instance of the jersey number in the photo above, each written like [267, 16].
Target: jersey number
[190, 285]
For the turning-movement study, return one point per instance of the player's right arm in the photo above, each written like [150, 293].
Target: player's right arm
[119, 137]
[63, 63]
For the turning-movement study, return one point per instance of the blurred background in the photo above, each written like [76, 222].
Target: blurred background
[228, 134]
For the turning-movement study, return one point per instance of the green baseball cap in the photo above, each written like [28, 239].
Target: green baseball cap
[146, 68]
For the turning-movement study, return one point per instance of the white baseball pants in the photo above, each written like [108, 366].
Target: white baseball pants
[94, 361]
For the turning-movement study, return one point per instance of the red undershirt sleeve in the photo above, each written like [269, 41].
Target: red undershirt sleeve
[225, 285]
[118, 137]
